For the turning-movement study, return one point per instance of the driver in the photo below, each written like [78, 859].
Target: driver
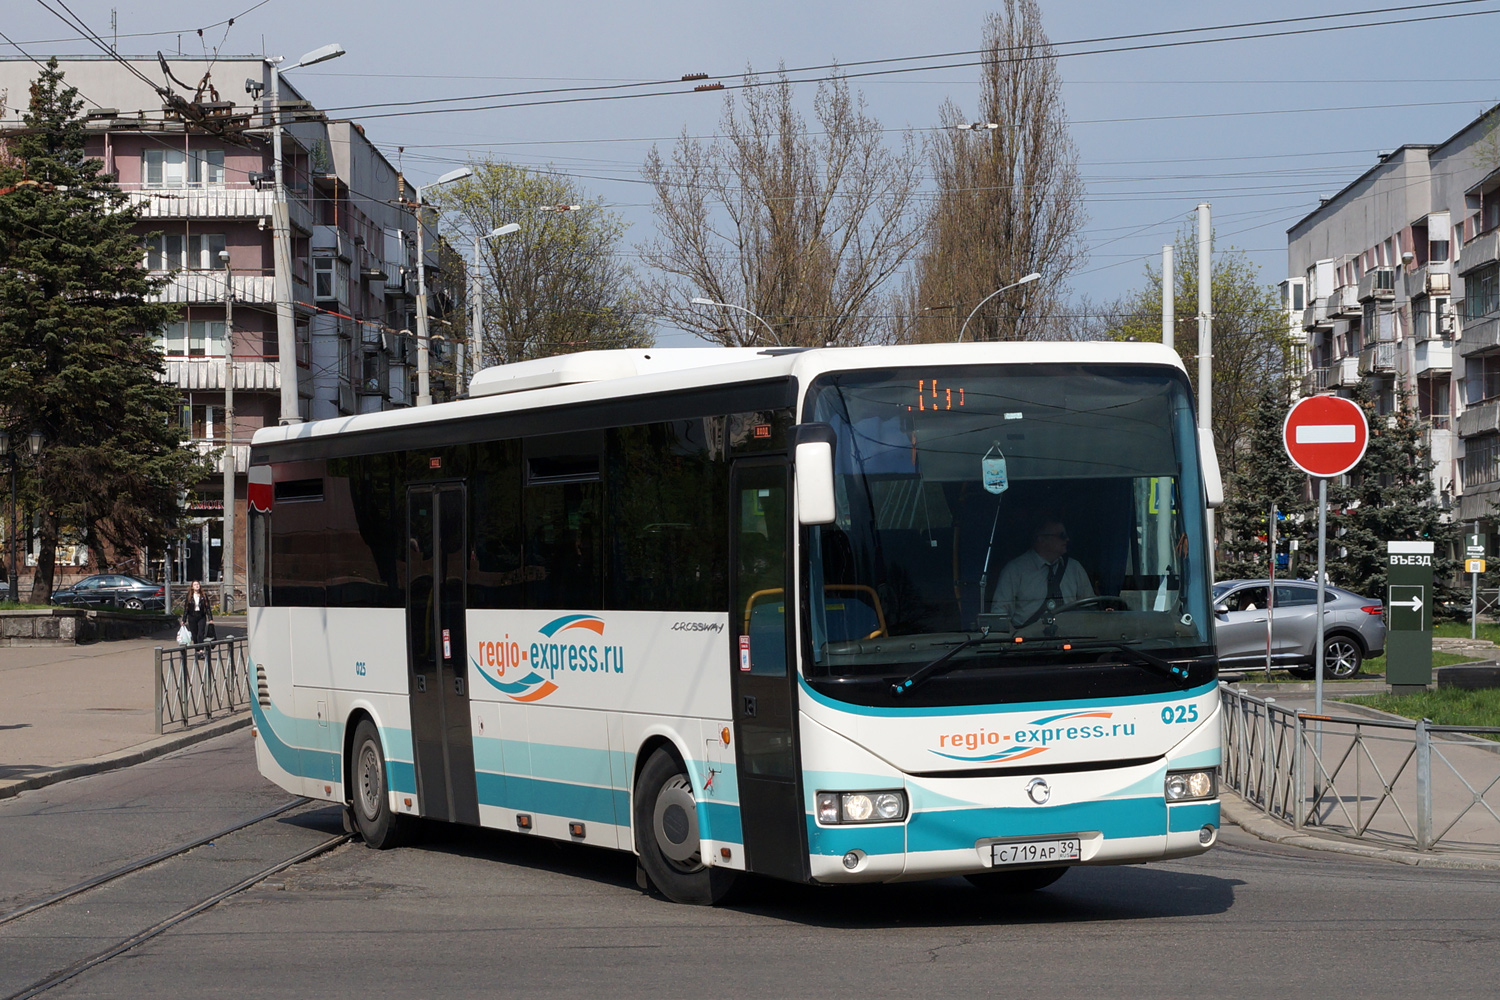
[1041, 579]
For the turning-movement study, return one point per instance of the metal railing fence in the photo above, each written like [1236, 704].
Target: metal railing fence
[195, 684]
[1370, 779]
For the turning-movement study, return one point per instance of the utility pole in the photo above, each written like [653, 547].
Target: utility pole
[1168, 297]
[1206, 349]
[281, 246]
[226, 555]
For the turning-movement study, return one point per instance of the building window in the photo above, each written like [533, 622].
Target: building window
[1482, 460]
[180, 251]
[1432, 401]
[180, 168]
[1482, 292]
[195, 339]
[323, 278]
[1482, 381]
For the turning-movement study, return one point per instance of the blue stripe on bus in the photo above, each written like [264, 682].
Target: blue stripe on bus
[298, 761]
[836, 841]
[585, 803]
[955, 829]
[1192, 816]
[721, 822]
[1029, 706]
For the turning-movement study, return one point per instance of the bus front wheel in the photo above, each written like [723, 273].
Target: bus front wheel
[1021, 880]
[666, 835]
[373, 817]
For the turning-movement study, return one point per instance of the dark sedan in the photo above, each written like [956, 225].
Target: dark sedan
[112, 590]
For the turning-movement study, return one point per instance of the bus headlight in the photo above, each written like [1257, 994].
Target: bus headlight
[885, 806]
[1184, 786]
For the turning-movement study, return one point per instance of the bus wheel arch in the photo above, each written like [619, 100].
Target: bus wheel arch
[664, 818]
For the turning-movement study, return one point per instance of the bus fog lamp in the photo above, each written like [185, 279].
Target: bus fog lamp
[852, 859]
[1207, 835]
[1184, 786]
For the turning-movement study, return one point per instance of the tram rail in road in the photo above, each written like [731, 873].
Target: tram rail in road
[175, 879]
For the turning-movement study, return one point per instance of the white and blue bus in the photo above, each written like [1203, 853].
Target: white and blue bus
[737, 611]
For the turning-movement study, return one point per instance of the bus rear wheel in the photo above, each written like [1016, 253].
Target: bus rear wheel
[376, 822]
[1021, 880]
[666, 835]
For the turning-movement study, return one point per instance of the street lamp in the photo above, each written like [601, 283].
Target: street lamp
[226, 553]
[730, 305]
[34, 442]
[286, 329]
[424, 393]
[1015, 284]
[476, 295]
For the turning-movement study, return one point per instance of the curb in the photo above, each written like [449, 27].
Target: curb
[1258, 824]
[138, 754]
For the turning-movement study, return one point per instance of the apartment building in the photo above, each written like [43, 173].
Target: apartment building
[204, 176]
[1396, 280]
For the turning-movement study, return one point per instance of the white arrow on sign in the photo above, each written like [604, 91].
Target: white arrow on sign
[1415, 604]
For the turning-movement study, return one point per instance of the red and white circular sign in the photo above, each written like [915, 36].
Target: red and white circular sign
[1325, 436]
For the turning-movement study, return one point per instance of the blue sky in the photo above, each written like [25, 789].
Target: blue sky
[1258, 127]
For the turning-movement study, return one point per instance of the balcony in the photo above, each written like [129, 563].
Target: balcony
[1344, 302]
[1481, 418]
[207, 288]
[1344, 372]
[216, 203]
[1430, 279]
[1315, 316]
[1315, 381]
[208, 374]
[1480, 335]
[1432, 355]
[1378, 358]
[1481, 250]
[330, 241]
[1378, 284]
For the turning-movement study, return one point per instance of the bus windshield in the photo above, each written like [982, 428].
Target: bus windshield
[1057, 505]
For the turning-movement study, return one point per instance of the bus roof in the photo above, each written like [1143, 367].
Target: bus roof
[601, 375]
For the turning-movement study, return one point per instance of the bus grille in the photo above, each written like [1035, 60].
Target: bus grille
[262, 686]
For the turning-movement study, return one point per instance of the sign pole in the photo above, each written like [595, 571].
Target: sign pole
[1271, 590]
[1321, 580]
[1474, 596]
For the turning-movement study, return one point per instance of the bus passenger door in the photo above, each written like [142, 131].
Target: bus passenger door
[764, 672]
[442, 741]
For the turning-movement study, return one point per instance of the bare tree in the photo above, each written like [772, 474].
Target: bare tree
[558, 284]
[1009, 199]
[803, 228]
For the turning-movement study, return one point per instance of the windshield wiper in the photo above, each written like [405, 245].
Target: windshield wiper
[940, 664]
[1162, 666]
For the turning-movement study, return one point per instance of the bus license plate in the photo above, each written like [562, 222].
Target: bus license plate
[1035, 852]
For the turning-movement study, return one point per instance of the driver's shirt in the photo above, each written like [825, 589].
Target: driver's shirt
[1023, 586]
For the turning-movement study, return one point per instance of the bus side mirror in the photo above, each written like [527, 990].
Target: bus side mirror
[1213, 482]
[814, 471]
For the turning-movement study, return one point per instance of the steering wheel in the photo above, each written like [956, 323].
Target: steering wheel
[1099, 602]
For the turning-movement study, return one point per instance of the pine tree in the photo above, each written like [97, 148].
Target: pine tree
[1388, 497]
[76, 331]
[1265, 475]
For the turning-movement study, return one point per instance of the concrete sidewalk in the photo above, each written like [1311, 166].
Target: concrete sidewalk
[67, 711]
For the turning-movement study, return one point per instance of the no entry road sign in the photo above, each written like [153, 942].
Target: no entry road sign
[1325, 436]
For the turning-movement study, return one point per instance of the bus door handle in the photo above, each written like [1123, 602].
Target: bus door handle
[750, 706]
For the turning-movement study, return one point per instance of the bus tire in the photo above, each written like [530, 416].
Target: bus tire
[1021, 880]
[380, 827]
[665, 815]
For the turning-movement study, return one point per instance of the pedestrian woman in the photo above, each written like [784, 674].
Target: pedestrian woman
[196, 612]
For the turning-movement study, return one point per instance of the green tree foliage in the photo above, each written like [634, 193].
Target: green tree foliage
[1265, 476]
[1253, 348]
[1388, 497]
[558, 284]
[76, 325]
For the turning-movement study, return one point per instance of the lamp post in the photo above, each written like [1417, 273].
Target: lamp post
[476, 295]
[424, 393]
[1005, 288]
[730, 305]
[34, 442]
[286, 329]
[226, 554]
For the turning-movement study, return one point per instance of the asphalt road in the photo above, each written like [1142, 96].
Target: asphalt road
[478, 913]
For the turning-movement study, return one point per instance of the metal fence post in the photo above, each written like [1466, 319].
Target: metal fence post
[1424, 786]
[1298, 763]
[157, 683]
[1267, 767]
